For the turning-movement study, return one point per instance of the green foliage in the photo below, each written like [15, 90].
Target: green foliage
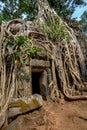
[18, 9]
[33, 51]
[1, 19]
[28, 9]
[20, 47]
[54, 30]
[21, 40]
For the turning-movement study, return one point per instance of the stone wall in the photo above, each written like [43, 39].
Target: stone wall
[81, 37]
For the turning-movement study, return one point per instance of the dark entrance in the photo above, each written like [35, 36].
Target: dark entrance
[35, 82]
[58, 80]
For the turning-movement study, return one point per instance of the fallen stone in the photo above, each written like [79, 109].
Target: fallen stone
[24, 105]
[35, 120]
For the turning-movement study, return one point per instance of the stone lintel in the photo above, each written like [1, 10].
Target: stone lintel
[40, 63]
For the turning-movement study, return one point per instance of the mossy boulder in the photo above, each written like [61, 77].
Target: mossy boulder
[24, 105]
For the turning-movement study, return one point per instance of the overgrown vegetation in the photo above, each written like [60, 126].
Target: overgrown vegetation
[67, 67]
[54, 30]
[20, 47]
[14, 52]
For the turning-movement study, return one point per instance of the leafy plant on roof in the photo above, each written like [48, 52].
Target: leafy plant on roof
[20, 47]
[54, 30]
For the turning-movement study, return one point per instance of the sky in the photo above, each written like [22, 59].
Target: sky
[79, 11]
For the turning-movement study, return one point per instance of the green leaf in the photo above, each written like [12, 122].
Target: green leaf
[1, 19]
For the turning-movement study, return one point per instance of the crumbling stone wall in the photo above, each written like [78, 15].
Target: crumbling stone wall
[81, 37]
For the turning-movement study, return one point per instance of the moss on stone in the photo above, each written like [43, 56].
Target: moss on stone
[24, 107]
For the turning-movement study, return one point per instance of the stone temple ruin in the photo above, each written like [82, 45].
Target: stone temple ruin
[35, 76]
[59, 68]
[36, 79]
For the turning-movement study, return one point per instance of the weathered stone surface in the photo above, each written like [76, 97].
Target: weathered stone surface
[36, 120]
[25, 104]
[23, 84]
[40, 63]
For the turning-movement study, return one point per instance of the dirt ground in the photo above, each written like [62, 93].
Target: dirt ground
[64, 115]
[67, 115]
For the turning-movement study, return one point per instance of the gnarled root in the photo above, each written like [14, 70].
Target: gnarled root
[2, 120]
[79, 97]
